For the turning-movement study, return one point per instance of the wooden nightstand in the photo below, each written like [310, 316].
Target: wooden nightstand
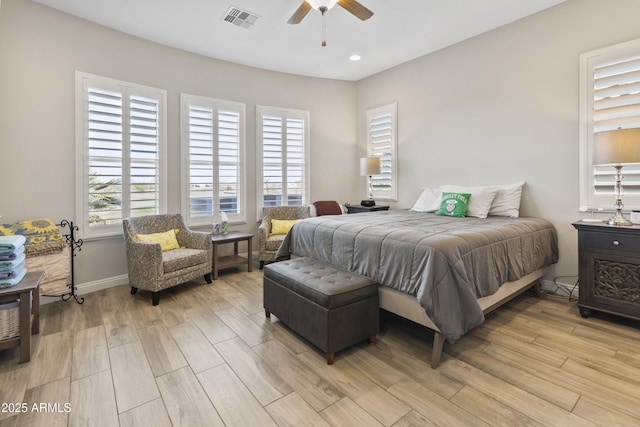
[609, 268]
[359, 208]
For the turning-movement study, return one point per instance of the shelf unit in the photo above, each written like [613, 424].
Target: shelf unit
[28, 292]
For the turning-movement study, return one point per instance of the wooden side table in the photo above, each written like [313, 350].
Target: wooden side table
[29, 311]
[232, 260]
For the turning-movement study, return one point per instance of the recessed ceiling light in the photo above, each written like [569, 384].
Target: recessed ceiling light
[355, 57]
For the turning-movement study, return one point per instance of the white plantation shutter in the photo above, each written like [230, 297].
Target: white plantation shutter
[229, 155]
[295, 161]
[144, 157]
[283, 144]
[200, 162]
[382, 142]
[120, 153]
[610, 85]
[272, 161]
[213, 155]
[105, 146]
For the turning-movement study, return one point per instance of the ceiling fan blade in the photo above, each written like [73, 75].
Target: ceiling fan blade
[300, 13]
[356, 9]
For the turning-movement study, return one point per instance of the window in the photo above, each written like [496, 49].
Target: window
[610, 99]
[283, 152]
[213, 155]
[382, 142]
[120, 155]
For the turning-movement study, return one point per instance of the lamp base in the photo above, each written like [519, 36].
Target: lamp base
[619, 220]
[368, 203]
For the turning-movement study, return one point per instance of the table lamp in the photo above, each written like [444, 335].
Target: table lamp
[369, 166]
[617, 148]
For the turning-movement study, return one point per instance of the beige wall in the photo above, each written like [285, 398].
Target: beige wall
[498, 108]
[502, 107]
[40, 50]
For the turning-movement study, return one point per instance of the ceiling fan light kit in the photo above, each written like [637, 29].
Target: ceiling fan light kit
[327, 4]
[351, 6]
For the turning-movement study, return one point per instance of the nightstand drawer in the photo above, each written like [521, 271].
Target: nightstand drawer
[613, 242]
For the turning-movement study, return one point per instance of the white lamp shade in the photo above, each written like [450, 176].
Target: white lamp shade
[370, 166]
[616, 147]
[317, 4]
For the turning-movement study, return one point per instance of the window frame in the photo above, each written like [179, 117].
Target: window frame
[216, 105]
[390, 110]
[83, 81]
[589, 61]
[284, 114]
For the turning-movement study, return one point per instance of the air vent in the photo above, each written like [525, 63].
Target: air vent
[240, 17]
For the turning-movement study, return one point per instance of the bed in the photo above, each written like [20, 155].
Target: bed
[442, 272]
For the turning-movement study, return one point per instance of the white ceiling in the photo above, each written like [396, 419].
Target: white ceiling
[399, 30]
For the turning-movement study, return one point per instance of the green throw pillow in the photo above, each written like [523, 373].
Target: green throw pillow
[454, 204]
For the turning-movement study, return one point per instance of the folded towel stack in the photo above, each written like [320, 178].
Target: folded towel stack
[11, 260]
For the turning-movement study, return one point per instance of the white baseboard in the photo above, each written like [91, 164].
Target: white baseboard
[96, 285]
[559, 288]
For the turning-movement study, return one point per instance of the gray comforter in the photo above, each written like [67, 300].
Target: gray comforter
[445, 262]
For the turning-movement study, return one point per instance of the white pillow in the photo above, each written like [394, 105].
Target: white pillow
[507, 200]
[427, 199]
[480, 201]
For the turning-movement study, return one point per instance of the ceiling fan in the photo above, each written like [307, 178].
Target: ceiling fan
[351, 6]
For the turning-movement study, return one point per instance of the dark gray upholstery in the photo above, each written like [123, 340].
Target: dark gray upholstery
[330, 307]
[325, 285]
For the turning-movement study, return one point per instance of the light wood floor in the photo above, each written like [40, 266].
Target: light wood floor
[207, 356]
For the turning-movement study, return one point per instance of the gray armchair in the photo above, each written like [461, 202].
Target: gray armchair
[268, 245]
[152, 269]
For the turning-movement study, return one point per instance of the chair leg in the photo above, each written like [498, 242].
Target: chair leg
[261, 265]
[155, 298]
[267, 313]
[207, 277]
[133, 290]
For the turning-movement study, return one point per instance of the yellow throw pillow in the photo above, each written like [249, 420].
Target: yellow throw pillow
[282, 226]
[167, 239]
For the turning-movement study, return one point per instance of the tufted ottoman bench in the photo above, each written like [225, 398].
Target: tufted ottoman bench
[332, 308]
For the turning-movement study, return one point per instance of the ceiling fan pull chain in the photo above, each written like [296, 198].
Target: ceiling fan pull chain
[323, 9]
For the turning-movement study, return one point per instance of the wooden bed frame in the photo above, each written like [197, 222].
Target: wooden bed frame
[407, 306]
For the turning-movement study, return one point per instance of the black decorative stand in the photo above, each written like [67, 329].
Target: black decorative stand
[73, 246]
